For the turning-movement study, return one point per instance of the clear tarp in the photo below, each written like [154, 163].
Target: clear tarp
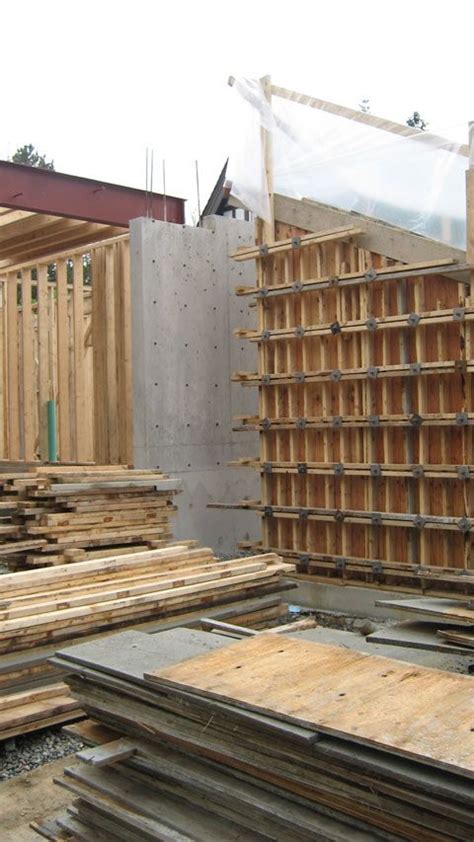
[416, 183]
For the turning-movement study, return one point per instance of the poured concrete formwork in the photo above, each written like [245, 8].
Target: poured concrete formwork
[184, 309]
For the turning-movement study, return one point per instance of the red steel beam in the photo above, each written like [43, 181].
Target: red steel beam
[43, 191]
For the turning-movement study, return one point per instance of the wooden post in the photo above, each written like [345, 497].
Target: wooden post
[266, 230]
[468, 338]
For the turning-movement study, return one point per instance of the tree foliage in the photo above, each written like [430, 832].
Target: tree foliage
[30, 156]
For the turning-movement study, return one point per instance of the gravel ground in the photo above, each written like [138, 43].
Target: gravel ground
[26, 752]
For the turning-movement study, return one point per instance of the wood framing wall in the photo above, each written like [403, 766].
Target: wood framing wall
[65, 336]
[365, 411]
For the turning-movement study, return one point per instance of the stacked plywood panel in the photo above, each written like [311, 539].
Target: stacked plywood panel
[42, 609]
[52, 515]
[268, 738]
[365, 412]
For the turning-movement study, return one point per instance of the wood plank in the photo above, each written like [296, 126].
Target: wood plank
[29, 369]
[65, 448]
[78, 356]
[44, 374]
[447, 610]
[13, 370]
[341, 693]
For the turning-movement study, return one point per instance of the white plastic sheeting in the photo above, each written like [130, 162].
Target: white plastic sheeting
[417, 182]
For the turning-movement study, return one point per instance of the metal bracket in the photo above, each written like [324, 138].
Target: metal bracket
[371, 324]
[374, 421]
[267, 467]
[376, 518]
[336, 374]
[375, 470]
[464, 472]
[338, 469]
[413, 319]
[299, 331]
[377, 568]
[301, 423]
[416, 420]
[303, 514]
[371, 274]
[295, 242]
[268, 511]
[419, 522]
[262, 292]
[335, 328]
[464, 524]
[266, 379]
[302, 468]
[263, 250]
[303, 561]
[415, 368]
[372, 372]
[299, 376]
[339, 516]
[337, 421]
[297, 286]
[266, 423]
[458, 314]
[333, 280]
[462, 419]
[265, 335]
[418, 471]
[340, 565]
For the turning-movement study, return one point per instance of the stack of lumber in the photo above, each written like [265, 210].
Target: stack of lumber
[52, 515]
[272, 737]
[40, 609]
[445, 625]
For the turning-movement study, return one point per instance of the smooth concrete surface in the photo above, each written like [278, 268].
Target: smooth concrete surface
[184, 311]
[355, 601]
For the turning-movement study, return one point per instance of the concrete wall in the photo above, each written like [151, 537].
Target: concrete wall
[183, 312]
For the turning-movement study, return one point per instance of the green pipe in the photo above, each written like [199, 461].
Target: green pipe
[52, 436]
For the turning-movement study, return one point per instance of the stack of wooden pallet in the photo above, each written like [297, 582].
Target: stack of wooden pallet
[41, 609]
[272, 737]
[445, 625]
[52, 515]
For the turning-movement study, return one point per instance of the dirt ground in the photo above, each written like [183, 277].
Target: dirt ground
[29, 796]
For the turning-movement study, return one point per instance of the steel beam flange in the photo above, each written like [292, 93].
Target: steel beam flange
[302, 468]
[266, 423]
[262, 292]
[374, 421]
[413, 319]
[299, 376]
[267, 467]
[268, 511]
[297, 286]
[462, 419]
[338, 469]
[416, 420]
[266, 379]
[335, 328]
[263, 250]
[376, 518]
[301, 423]
[458, 314]
[339, 516]
[265, 335]
[337, 421]
[371, 324]
[418, 471]
[419, 522]
[375, 470]
[415, 368]
[464, 472]
[299, 331]
[371, 274]
[464, 524]
[335, 375]
[372, 372]
[295, 242]
[303, 514]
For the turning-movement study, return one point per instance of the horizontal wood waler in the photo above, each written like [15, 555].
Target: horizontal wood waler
[457, 272]
[416, 471]
[341, 516]
[459, 419]
[252, 378]
[296, 242]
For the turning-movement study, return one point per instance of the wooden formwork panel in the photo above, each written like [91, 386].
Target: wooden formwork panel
[365, 408]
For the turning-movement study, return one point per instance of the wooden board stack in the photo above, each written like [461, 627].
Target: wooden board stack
[41, 609]
[52, 515]
[446, 625]
[272, 737]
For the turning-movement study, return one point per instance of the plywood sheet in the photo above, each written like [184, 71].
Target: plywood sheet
[447, 610]
[411, 711]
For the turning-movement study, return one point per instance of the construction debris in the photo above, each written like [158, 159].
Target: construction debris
[263, 739]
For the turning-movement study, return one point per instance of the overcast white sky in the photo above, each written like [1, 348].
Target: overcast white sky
[92, 84]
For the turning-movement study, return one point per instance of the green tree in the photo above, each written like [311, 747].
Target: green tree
[416, 121]
[30, 156]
